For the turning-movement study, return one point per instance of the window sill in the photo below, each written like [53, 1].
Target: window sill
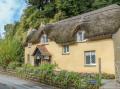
[44, 43]
[90, 65]
[65, 53]
[81, 41]
[29, 46]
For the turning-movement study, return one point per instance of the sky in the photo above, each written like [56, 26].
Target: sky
[10, 12]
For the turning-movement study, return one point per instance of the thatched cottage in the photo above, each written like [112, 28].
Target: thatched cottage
[76, 43]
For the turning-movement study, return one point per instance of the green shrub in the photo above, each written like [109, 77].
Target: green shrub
[62, 79]
[46, 71]
[108, 76]
[70, 79]
[13, 65]
[27, 66]
[47, 67]
[59, 79]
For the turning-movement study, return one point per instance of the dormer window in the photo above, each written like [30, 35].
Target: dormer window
[44, 39]
[80, 36]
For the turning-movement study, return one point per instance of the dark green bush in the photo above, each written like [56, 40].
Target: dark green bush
[66, 80]
[13, 65]
[108, 76]
[46, 71]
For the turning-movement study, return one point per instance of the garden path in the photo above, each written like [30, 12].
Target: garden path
[110, 84]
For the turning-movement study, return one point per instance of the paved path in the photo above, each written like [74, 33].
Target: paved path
[8, 82]
[110, 84]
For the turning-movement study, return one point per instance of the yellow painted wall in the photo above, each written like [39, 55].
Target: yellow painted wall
[75, 60]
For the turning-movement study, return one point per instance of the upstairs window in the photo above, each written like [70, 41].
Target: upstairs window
[29, 45]
[44, 39]
[90, 58]
[65, 49]
[80, 36]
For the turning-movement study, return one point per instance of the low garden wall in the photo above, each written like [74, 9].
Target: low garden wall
[62, 79]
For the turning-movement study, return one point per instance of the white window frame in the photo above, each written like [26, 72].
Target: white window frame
[81, 36]
[66, 49]
[44, 39]
[46, 57]
[29, 45]
[90, 53]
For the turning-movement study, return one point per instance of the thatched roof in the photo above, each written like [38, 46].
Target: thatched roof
[101, 23]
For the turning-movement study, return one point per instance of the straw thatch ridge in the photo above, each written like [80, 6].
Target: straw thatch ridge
[101, 23]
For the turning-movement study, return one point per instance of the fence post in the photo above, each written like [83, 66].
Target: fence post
[100, 76]
[99, 62]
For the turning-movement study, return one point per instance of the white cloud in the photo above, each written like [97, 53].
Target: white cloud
[10, 11]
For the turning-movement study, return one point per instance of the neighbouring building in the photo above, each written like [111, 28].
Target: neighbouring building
[76, 43]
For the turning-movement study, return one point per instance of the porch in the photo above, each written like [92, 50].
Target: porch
[41, 55]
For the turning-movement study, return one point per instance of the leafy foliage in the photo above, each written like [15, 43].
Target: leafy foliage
[9, 53]
[62, 79]
[13, 65]
[48, 11]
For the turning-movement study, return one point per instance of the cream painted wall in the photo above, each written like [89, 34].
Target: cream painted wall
[75, 60]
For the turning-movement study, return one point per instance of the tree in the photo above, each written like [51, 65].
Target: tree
[74, 7]
[39, 3]
[10, 50]
[10, 30]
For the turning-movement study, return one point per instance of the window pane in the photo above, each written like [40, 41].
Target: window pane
[44, 39]
[41, 40]
[37, 57]
[88, 59]
[80, 36]
[64, 49]
[46, 57]
[93, 57]
[67, 48]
